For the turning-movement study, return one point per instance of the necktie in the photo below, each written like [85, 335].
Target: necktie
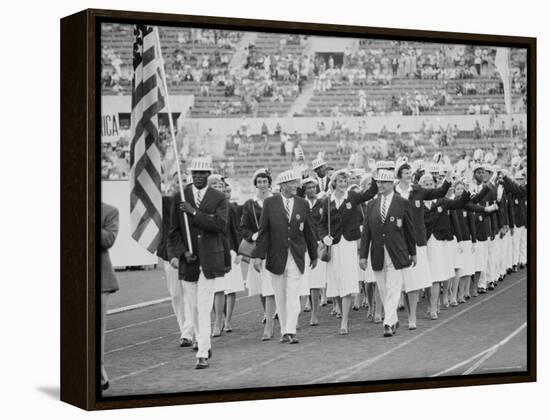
[287, 208]
[383, 210]
[198, 198]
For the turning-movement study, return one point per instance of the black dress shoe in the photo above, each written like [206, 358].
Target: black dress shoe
[195, 346]
[105, 386]
[185, 342]
[491, 286]
[292, 339]
[202, 363]
[284, 338]
[388, 331]
[210, 353]
[481, 290]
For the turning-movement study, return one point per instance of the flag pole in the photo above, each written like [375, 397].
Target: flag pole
[172, 135]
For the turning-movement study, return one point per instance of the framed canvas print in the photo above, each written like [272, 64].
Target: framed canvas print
[261, 209]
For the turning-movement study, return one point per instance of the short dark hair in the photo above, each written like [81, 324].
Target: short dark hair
[263, 175]
[402, 168]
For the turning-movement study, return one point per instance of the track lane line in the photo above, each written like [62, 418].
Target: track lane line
[494, 350]
[480, 354]
[342, 374]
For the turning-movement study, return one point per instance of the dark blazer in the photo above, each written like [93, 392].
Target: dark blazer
[439, 223]
[248, 226]
[395, 234]
[347, 219]
[166, 209]
[234, 221]
[416, 199]
[317, 214]
[464, 225]
[277, 235]
[482, 219]
[207, 229]
[518, 196]
[109, 232]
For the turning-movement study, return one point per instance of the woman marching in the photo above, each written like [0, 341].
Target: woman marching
[418, 277]
[464, 229]
[345, 222]
[259, 283]
[316, 279]
[235, 281]
[216, 182]
[441, 244]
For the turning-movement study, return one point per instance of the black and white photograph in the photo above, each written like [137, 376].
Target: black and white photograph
[281, 209]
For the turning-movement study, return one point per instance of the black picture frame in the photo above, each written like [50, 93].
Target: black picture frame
[80, 192]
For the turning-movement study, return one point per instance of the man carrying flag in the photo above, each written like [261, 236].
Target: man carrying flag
[207, 211]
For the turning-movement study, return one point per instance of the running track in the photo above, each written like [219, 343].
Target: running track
[485, 335]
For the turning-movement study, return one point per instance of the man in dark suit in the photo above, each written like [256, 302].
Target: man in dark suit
[207, 214]
[286, 233]
[389, 238]
[109, 284]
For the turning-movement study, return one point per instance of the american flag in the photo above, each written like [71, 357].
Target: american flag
[145, 157]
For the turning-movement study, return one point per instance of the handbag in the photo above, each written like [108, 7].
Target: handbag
[247, 248]
[325, 250]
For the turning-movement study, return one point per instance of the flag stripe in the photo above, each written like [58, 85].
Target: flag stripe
[145, 158]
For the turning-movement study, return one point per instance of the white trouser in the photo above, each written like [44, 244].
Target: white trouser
[175, 288]
[509, 252]
[390, 282]
[523, 246]
[287, 295]
[515, 245]
[488, 274]
[205, 301]
[191, 325]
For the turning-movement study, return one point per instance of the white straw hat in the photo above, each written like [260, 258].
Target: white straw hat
[384, 175]
[317, 163]
[287, 176]
[200, 164]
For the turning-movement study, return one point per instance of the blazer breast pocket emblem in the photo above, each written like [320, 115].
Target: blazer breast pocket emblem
[348, 206]
[417, 203]
[321, 211]
[297, 217]
[464, 214]
[399, 222]
[439, 210]
[480, 217]
[392, 219]
[301, 226]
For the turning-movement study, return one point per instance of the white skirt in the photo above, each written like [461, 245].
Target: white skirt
[220, 284]
[343, 269]
[481, 255]
[456, 254]
[419, 276]
[235, 281]
[259, 283]
[316, 278]
[441, 261]
[468, 259]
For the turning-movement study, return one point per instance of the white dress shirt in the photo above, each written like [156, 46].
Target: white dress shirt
[386, 199]
[196, 193]
[290, 205]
